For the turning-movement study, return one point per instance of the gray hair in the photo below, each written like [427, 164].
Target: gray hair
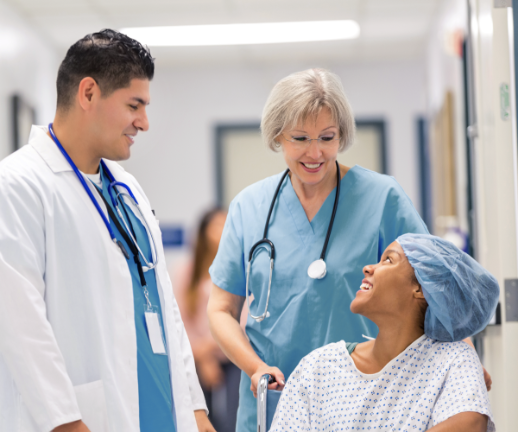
[302, 95]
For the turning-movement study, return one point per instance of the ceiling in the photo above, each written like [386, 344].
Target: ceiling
[390, 29]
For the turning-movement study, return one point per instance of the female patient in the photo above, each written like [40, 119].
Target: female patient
[425, 296]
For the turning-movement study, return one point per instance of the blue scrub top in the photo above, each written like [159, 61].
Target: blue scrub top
[306, 313]
[156, 406]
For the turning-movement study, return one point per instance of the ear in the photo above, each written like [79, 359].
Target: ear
[418, 292]
[87, 92]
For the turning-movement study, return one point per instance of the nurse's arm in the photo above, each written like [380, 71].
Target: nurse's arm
[224, 310]
[463, 422]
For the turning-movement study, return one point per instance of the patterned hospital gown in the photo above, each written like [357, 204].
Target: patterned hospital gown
[426, 384]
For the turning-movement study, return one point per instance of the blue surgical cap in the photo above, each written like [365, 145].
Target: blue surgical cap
[462, 296]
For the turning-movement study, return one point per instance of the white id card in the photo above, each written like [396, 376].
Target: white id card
[154, 331]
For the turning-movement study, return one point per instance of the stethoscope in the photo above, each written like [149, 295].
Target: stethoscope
[116, 195]
[316, 270]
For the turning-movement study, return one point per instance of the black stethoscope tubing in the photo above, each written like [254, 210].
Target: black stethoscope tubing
[272, 205]
[317, 270]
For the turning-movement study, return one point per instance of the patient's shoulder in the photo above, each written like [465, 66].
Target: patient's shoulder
[455, 351]
[446, 348]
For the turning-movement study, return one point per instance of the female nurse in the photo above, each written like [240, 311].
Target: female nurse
[309, 118]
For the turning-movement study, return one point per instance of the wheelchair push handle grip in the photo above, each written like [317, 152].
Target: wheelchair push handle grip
[262, 394]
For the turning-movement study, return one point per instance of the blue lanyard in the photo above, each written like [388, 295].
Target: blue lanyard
[83, 182]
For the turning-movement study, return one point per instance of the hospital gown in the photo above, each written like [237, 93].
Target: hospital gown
[423, 386]
[306, 313]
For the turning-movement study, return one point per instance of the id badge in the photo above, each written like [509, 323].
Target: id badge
[154, 330]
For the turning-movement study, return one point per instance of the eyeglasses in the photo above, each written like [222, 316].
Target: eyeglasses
[305, 140]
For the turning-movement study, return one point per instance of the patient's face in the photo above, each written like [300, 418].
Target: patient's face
[388, 288]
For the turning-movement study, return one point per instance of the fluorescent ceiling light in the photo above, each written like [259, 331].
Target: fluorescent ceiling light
[245, 34]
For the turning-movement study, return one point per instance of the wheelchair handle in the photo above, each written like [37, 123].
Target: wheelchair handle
[262, 394]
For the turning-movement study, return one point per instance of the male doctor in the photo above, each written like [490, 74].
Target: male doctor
[91, 337]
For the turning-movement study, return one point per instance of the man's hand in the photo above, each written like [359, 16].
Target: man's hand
[203, 422]
[77, 426]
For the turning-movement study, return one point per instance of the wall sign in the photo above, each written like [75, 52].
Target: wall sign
[505, 105]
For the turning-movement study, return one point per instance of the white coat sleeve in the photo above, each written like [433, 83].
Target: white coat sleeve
[27, 342]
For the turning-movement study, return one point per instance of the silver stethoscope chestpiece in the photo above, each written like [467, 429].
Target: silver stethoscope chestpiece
[317, 269]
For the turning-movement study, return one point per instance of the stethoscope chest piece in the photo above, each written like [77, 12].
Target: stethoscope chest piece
[317, 269]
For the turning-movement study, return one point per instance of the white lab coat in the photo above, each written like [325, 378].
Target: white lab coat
[68, 346]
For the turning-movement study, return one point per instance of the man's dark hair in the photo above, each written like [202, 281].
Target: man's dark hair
[111, 58]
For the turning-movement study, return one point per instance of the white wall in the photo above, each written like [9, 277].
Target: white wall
[174, 161]
[28, 66]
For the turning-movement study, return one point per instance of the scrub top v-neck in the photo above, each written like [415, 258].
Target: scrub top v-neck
[306, 313]
[156, 405]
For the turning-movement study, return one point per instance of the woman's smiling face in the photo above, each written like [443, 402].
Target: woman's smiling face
[389, 287]
[311, 161]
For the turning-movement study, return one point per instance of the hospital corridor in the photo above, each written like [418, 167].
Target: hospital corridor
[258, 215]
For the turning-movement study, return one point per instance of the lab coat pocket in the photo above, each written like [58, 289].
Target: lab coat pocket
[92, 405]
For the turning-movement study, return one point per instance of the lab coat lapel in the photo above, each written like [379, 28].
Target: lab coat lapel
[50, 153]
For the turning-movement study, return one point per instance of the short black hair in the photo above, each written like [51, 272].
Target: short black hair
[111, 58]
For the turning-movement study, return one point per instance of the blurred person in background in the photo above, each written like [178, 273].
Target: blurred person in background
[219, 377]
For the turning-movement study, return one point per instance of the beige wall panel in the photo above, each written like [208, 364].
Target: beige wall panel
[366, 150]
[246, 160]
[442, 166]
